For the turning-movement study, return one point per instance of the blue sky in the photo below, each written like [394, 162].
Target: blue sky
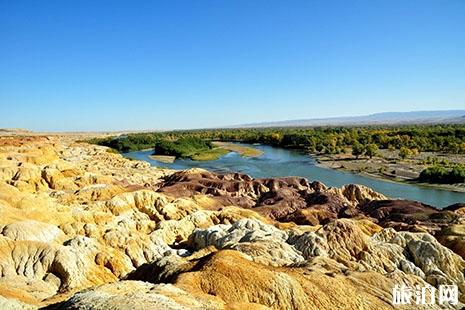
[110, 65]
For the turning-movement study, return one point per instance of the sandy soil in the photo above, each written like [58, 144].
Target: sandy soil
[243, 150]
[163, 158]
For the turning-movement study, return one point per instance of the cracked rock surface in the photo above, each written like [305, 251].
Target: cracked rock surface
[83, 228]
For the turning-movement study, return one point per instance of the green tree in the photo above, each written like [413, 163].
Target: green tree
[357, 149]
[371, 150]
[405, 152]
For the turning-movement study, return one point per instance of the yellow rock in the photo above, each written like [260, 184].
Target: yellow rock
[74, 216]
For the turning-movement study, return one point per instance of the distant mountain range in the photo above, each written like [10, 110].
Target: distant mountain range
[385, 118]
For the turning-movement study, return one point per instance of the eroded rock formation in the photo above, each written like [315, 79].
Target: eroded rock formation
[82, 228]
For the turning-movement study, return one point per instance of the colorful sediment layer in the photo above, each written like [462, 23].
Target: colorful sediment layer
[83, 228]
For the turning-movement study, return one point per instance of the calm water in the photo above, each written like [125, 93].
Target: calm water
[277, 162]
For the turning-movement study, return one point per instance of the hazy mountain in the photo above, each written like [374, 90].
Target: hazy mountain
[385, 118]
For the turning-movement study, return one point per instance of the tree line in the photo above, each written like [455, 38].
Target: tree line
[327, 140]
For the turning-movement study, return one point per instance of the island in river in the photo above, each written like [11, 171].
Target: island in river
[198, 149]
[243, 150]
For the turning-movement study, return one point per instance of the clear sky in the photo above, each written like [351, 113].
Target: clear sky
[110, 65]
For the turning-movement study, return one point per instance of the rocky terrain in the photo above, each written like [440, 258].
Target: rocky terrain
[83, 228]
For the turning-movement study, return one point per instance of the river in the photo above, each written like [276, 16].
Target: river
[278, 162]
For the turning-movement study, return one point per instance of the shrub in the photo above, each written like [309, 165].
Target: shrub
[457, 175]
[405, 152]
[440, 174]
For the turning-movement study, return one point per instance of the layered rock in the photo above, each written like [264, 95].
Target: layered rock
[296, 200]
[83, 228]
[345, 241]
[138, 295]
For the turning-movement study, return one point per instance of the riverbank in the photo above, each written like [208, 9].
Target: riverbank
[388, 167]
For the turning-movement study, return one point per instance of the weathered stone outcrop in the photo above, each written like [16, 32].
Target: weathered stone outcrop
[345, 241]
[319, 284]
[296, 200]
[83, 228]
[138, 295]
[453, 237]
